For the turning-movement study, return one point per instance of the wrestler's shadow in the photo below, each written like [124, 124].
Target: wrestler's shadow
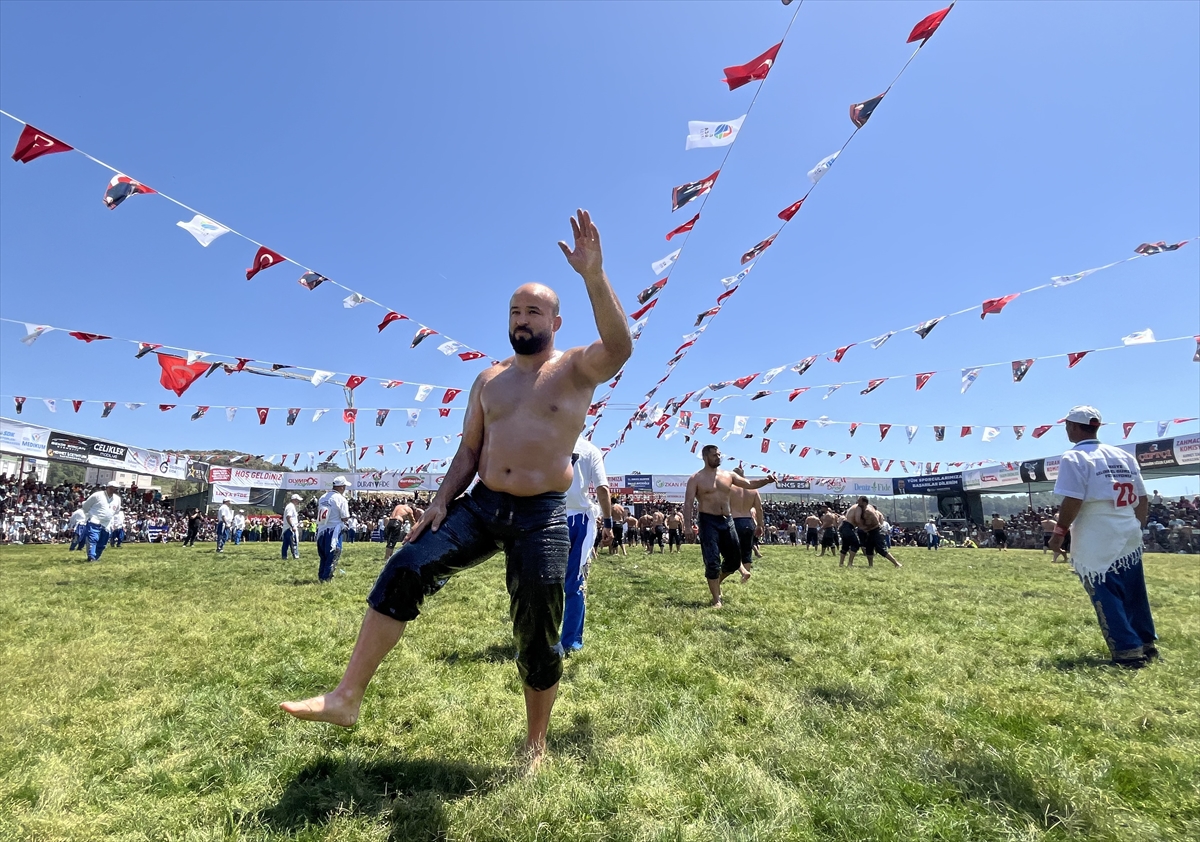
[495, 653]
[411, 794]
[689, 604]
[1078, 663]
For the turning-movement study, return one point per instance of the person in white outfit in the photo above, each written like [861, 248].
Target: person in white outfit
[291, 527]
[100, 508]
[588, 466]
[332, 512]
[224, 525]
[78, 526]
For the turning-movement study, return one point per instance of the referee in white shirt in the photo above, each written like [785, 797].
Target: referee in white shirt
[100, 509]
[588, 465]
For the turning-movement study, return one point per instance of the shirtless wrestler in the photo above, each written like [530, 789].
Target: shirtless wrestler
[869, 522]
[523, 418]
[710, 488]
[398, 524]
[829, 535]
[812, 526]
[675, 532]
[745, 506]
[618, 519]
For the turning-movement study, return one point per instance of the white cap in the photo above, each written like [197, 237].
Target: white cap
[340, 481]
[112, 483]
[1085, 415]
[296, 497]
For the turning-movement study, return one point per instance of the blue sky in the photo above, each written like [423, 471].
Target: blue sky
[429, 155]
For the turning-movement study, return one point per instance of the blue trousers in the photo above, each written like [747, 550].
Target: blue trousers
[329, 548]
[222, 536]
[97, 540]
[79, 541]
[573, 607]
[237, 536]
[289, 543]
[1123, 609]
[117, 537]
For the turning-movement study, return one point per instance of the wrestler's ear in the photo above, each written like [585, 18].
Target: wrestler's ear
[557, 323]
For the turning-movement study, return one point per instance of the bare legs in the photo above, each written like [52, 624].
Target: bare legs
[538, 705]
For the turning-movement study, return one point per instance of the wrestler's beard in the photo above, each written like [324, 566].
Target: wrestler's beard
[535, 344]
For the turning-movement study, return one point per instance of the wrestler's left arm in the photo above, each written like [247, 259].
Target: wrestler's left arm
[604, 357]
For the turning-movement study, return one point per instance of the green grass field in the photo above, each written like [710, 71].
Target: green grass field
[963, 697]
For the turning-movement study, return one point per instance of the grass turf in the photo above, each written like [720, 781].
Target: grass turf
[964, 697]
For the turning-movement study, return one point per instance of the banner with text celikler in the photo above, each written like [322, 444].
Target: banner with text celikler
[23, 439]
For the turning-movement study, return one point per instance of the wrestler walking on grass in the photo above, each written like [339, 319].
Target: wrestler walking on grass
[523, 418]
[719, 545]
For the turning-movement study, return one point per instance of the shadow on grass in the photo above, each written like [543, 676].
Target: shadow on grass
[690, 604]
[1010, 790]
[578, 739]
[411, 794]
[496, 653]
[847, 697]
[1078, 662]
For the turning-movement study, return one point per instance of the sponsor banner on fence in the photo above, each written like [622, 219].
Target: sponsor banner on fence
[670, 486]
[1187, 449]
[196, 471]
[307, 482]
[836, 486]
[247, 477]
[84, 451]
[793, 485]
[1156, 454]
[931, 484]
[638, 482]
[238, 495]
[23, 439]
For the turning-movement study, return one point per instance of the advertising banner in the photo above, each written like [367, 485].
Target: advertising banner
[670, 486]
[23, 439]
[68, 448]
[1156, 454]
[932, 484]
[638, 482]
[196, 471]
[247, 477]
[1187, 449]
[237, 495]
[835, 486]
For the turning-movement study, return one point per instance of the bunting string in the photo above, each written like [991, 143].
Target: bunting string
[34, 143]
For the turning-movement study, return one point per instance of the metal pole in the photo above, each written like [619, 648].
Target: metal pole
[352, 445]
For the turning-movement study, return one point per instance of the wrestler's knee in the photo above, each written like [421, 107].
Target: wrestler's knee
[402, 586]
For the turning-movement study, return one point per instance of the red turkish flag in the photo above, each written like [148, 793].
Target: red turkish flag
[721, 298]
[873, 385]
[450, 395]
[165, 407]
[883, 431]
[797, 393]
[853, 428]
[994, 305]
[262, 414]
[758, 67]
[798, 425]
[685, 227]
[705, 403]
[76, 404]
[758, 249]
[1073, 359]
[467, 356]
[1128, 426]
[687, 344]
[787, 213]
[637, 315]
[87, 337]
[354, 381]
[392, 316]
[966, 431]
[348, 415]
[714, 421]
[177, 375]
[922, 379]
[804, 452]
[927, 26]
[840, 352]
[443, 412]
[743, 382]
[422, 335]
[1038, 432]
[34, 143]
[766, 444]
[265, 259]
[874, 463]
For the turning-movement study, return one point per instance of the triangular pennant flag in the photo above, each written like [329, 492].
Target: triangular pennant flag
[353, 300]
[739, 424]
[292, 414]
[636, 316]
[874, 464]
[354, 381]
[766, 443]
[883, 431]
[791, 210]
[1038, 432]
[51, 404]
[1196, 356]
[1020, 368]
[199, 413]
[714, 422]
[450, 395]
[923, 329]
[685, 227]
[705, 403]
[736, 279]
[878, 341]
[310, 281]
[703, 135]
[990, 433]
[923, 378]
[660, 266]
[752, 71]
[991, 306]
[32, 332]
[928, 25]
[392, 316]
[771, 375]
[319, 377]
[832, 389]
[1128, 426]
[133, 406]
[120, 188]
[193, 356]
[34, 143]
[767, 425]
[177, 374]
[743, 382]
[966, 431]
[263, 412]
[969, 376]
[108, 408]
[443, 412]
[203, 229]
[761, 393]
[804, 365]
[76, 405]
[414, 416]
[863, 460]
[1073, 359]
[1158, 248]
[725, 295]
[87, 337]
[1141, 337]
[822, 167]
[862, 111]
[145, 348]
[939, 432]
[423, 392]
[840, 352]
[854, 425]
[165, 407]
[317, 415]
[450, 347]
[1019, 431]
[650, 291]
[874, 384]
[712, 311]
[349, 414]
[421, 336]
[758, 249]
[795, 393]
[230, 412]
[265, 258]
[1162, 428]
[911, 430]
[685, 193]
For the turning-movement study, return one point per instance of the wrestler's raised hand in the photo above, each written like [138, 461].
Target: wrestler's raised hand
[586, 259]
[433, 517]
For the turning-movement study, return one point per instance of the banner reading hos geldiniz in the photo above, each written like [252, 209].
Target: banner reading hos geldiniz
[246, 477]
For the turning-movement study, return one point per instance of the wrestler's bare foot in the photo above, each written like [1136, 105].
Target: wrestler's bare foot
[332, 707]
[716, 603]
[745, 571]
[532, 758]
